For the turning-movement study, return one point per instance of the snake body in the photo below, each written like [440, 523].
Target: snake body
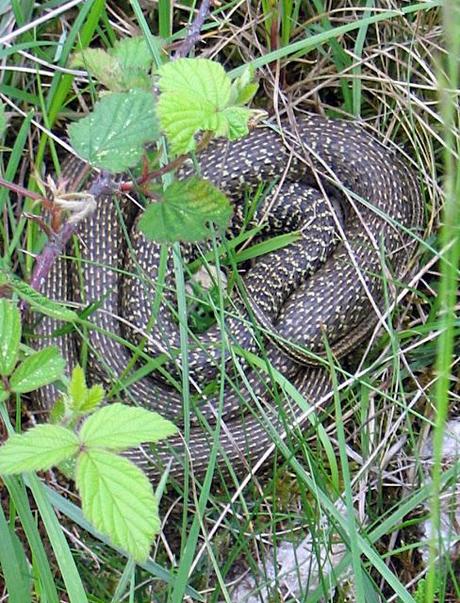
[327, 285]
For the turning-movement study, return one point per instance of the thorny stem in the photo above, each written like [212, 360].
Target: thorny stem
[101, 186]
[193, 34]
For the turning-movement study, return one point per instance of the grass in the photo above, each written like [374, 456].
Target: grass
[395, 65]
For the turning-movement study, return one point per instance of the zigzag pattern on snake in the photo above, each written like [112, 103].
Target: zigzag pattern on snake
[357, 206]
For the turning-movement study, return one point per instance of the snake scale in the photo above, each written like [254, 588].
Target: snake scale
[357, 206]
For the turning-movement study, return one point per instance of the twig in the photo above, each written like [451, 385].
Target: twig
[102, 185]
[193, 34]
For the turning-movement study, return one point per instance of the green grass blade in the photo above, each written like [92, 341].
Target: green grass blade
[60, 546]
[449, 282]
[20, 500]
[13, 561]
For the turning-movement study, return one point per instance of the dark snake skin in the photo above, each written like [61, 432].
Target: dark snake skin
[356, 204]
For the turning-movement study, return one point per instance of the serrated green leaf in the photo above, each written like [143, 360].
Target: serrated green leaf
[193, 93]
[182, 117]
[10, 335]
[117, 427]
[133, 54]
[203, 79]
[243, 88]
[77, 387]
[118, 499]
[68, 467]
[197, 95]
[37, 449]
[124, 67]
[93, 398]
[112, 137]
[102, 66]
[39, 302]
[246, 94]
[184, 214]
[2, 118]
[37, 370]
[236, 122]
[58, 411]
[81, 398]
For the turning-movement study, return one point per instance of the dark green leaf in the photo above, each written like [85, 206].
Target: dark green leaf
[37, 370]
[184, 215]
[113, 136]
[105, 68]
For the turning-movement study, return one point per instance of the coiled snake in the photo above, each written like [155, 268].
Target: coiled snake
[357, 206]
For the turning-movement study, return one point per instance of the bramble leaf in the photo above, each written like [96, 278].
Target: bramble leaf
[117, 427]
[237, 119]
[185, 212]
[37, 449]
[203, 78]
[82, 399]
[124, 67]
[37, 370]
[244, 88]
[93, 398]
[118, 499]
[58, 411]
[102, 66]
[113, 136]
[77, 387]
[10, 335]
[133, 54]
[196, 96]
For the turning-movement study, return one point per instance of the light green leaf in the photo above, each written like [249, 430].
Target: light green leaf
[196, 96]
[39, 302]
[237, 122]
[58, 411]
[37, 370]
[94, 397]
[10, 335]
[206, 80]
[118, 427]
[118, 499]
[81, 399]
[243, 87]
[185, 213]
[3, 393]
[113, 136]
[133, 54]
[77, 387]
[37, 449]
[182, 117]
[125, 66]
[102, 66]
[2, 118]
